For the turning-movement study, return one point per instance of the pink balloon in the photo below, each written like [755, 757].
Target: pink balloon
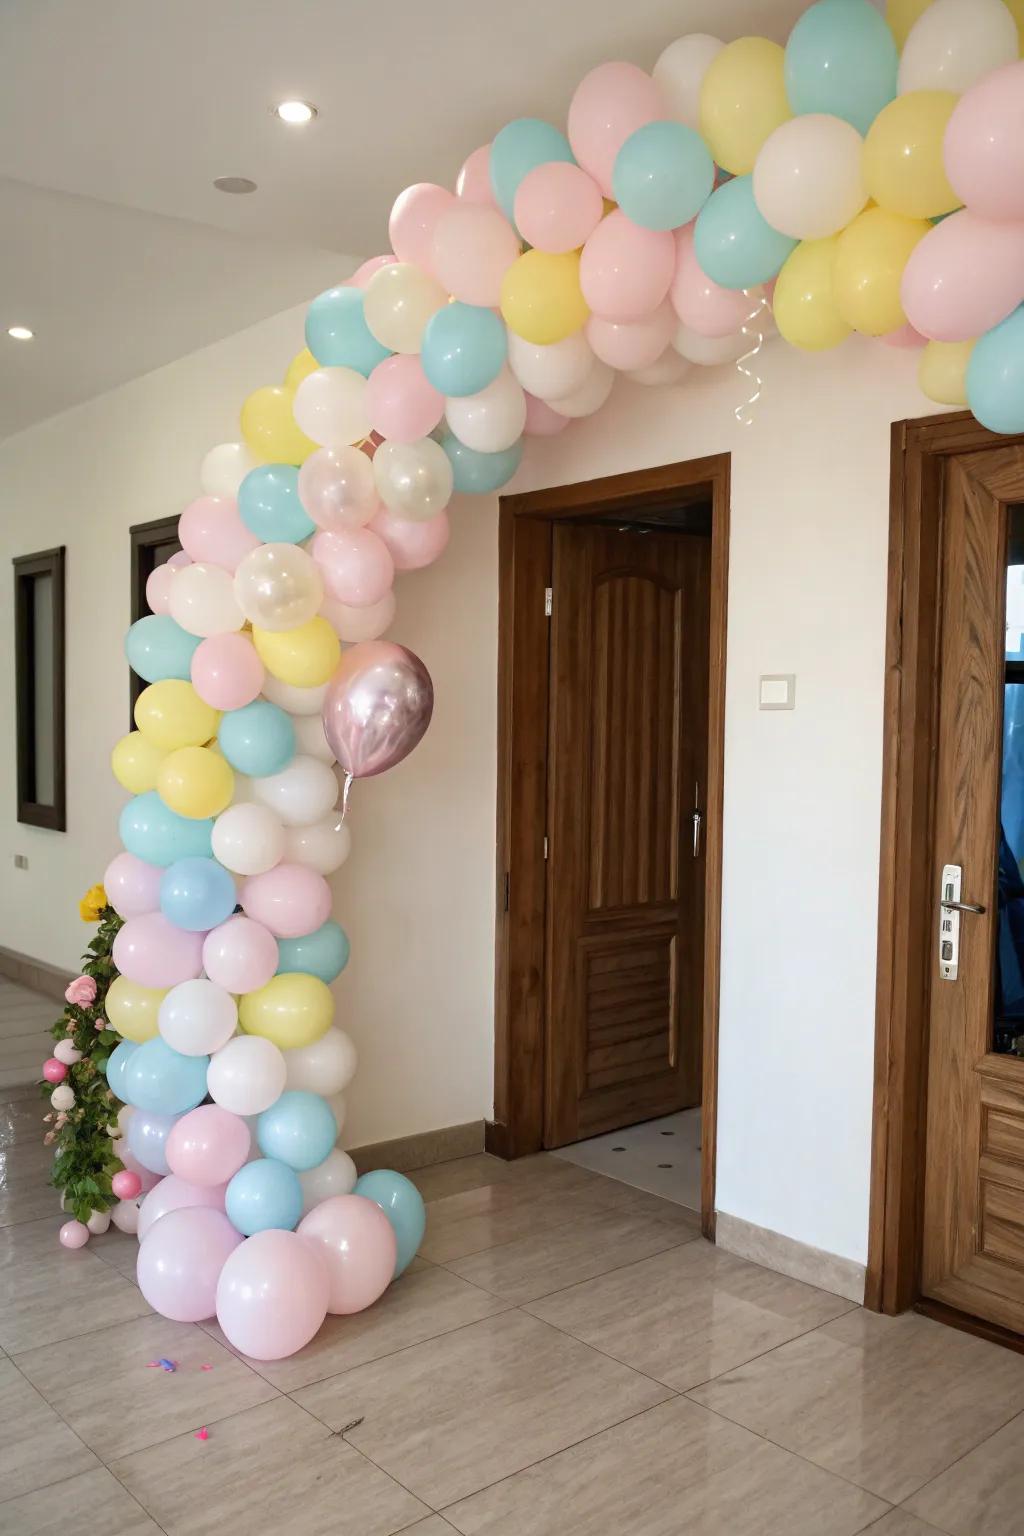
[633, 343]
[289, 899]
[354, 624]
[337, 489]
[358, 1246]
[361, 276]
[173, 1194]
[474, 179]
[208, 1145]
[126, 1184]
[413, 544]
[401, 402]
[413, 221]
[700, 303]
[132, 885]
[626, 271]
[211, 529]
[54, 1071]
[179, 561]
[542, 420]
[965, 276]
[983, 146]
[155, 953]
[377, 706]
[158, 588]
[147, 1179]
[272, 1295]
[474, 247]
[610, 103]
[180, 1262]
[226, 671]
[240, 955]
[903, 339]
[558, 206]
[356, 566]
[74, 1234]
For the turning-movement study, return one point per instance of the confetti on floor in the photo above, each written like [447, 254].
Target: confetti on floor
[206, 1367]
[202, 1434]
[167, 1365]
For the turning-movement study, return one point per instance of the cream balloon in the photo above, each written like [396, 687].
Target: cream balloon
[591, 394]
[680, 71]
[197, 1017]
[310, 739]
[203, 601]
[413, 479]
[300, 794]
[398, 301]
[354, 624]
[954, 42]
[247, 1075]
[807, 176]
[323, 845]
[278, 586]
[550, 371]
[491, 420]
[224, 468]
[295, 700]
[249, 839]
[669, 368]
[325, 1067]
[330, 407]
[336, 1175]
[709, 351]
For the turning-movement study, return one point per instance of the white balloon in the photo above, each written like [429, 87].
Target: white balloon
[590, 396]
[66, 1052]
[398, 301]
[197, 1017]
[297, 701]
[552, 371]
[125, 1215]
[954, 42]
[491, 420]
[326, 1066]
[248, 838]
[99, 1222]
[202, 600]
[710, 350]
[310, 739]
[330, 407]
[336, 1175]
[413, 479]
[360, 623]
[323, 846]
[62, 1098]
[301, 793]
[680, 72]
[807, 176]
[669, 368]
[224, 468]
[247, 1075]
[277, 586]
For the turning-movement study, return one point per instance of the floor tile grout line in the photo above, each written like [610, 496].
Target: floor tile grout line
[958, 1459]
[654, 1380]
[339, 1434]
[86, 1332]
[559, 1226]
[528, 1300]
[742, 1364]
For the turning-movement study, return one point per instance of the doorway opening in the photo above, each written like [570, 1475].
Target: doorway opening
[611, 673]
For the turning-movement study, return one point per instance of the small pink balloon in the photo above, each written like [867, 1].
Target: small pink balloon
[212, 530]
[336, 487]
[54, 1071]
[626, 271]
[401, 402]
[126, 1184]
[700, 303]
[542, 420]
[361, 276]
[132, 885]
[474, 179]
[633, 343]
[174, 1194]
[376, 709]
[354, 624]
[156, 953]
[74, 1234]
[289, 899]
[226, 671]
[179, 561]
[356, 566]
[904, 339]
[558, 206]
[147, 1179]
[358, 1246]
[609, 104]
[474, 246]
[158, 588]
[181, 1259]
[983, 147]
[272, 1295]
[413, 220]
[413, 544]
[240, 955]
[208, 1145]
[964, 277]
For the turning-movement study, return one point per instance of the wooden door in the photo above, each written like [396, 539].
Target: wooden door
[627, 757]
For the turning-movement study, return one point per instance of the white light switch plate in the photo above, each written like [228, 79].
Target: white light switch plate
[777, 690]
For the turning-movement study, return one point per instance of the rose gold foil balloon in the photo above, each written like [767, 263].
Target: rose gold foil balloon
[377, 707]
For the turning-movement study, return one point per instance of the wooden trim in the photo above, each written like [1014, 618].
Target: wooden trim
[31, 812]
[953, 1318]
[667, 494]
[145, 538]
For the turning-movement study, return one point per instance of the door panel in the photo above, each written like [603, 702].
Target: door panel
[627, 755]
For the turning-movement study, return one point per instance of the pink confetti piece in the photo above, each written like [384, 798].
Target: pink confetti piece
[202, 1434]
[206, 1367]
[153, 1365]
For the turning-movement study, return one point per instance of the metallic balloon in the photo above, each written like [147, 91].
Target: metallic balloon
[377, 707]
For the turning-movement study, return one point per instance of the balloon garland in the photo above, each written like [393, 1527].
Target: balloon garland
[869, 176]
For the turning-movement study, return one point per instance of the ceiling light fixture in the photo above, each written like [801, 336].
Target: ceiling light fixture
[238, 184]
[295, 113]
[20, 333]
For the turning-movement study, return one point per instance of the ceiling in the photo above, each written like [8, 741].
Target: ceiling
[116, 115]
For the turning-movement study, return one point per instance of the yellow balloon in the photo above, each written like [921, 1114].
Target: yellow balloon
[942, 371]
[804, 304]
[270, 430]
[903, 169]
[292, 1010]
[872, 252]
[742, 100]
[1016, 10]
[300, 367]
[132, 1009]
[136, 762]
[541, 297]
[901, 16]
[304, 657]
[170, 714]
[196, 782]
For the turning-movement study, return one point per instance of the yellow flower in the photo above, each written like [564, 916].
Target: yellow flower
[92, 903]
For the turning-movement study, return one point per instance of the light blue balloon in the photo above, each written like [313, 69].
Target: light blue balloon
[157, 647]
[158, 835]
[337, 333]
[264, 1194]
[477, 472]
[164, 1082]
[197, 894]
[663, 175]
[117, 1066]
[269, 505]
[298, 1129]
[147, 1139]
[842, 59]
[518, 148]
[995, 376]
[463, 348]
[403, 1206]
[734, 244]
[257, 739]
[323, 953]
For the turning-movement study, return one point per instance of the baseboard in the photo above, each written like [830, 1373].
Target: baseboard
[37, 975]
[422, 1149]
[801, 1261]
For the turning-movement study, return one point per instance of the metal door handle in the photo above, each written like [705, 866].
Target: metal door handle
[696, 819]
[962, 906]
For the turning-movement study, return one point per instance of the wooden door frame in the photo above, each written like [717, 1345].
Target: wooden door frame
[906, 902]
[524, 533]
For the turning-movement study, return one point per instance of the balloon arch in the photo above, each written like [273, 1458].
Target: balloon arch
[869, 176]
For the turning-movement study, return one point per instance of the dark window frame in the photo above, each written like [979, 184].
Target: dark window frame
[31, 812]
[146, 539]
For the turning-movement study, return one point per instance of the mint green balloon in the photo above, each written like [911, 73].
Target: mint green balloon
[733, 242]
[995, 376]
[157, 647]
[323, 953]
[518, 148]
[842, 59]
[663, 175]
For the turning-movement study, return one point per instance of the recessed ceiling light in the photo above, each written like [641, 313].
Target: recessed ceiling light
[20, 333]
[234, 184]
[295, 113]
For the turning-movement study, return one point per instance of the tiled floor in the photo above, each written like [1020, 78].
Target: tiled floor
[567, 1358]
[661, 1156]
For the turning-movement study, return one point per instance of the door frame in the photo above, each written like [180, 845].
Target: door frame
[524, 534]
[906, 902]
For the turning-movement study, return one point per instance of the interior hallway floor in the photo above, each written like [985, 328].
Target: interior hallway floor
[567, 1357]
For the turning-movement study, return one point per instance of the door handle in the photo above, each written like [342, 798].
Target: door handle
[950, 908]
[962, 906]
[697, 820]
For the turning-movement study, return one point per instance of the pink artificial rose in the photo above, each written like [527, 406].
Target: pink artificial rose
[81, 991]
[49, 1139]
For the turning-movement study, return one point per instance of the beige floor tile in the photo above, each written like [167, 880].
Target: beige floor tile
[265, 1472]
[22, 1057]
[675, 1471]
[117, 1404]
[48, 1293]
[689, 1314]
[36, 1448]
[442, 1179]
[118, 1249]
[21, 1120]
[25, 1191]
[983, 1494]
[93, 1504]
[452, 1415]
[899, 1523]
[436, 1525]
[889, 1402]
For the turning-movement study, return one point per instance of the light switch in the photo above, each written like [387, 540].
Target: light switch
[778, 690]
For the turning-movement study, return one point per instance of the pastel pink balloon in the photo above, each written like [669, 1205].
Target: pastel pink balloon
[542, 420]
[132, 885]
[983, 147]
[610, 103]
[558, 206]
[211, 529]
[272, 1294]
[54, 1071]
[74, 1234]
[289, 899]
[633, 343]
[412, 544]
[154, 952]
[964, 277]
[226, 671]
[126, 1184]
[174, 1194]
[336, 487]
[361, 276]
[401, 402]
[240, 955]
[358, 1246]
[181, 1259]
[701, 303]
[474, 246]
[413, 220]
[208, 1145]
[354, 624]
[903, 339]
[377, 707]
[147, 1179]
[474, 179]
[626, 271]
[158, 588]
[356, 566]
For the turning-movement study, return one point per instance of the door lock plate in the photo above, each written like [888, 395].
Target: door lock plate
[949, 922]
